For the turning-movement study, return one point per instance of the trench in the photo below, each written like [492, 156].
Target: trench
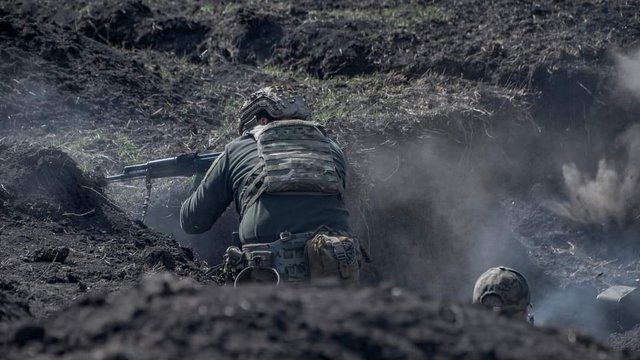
[434, 214]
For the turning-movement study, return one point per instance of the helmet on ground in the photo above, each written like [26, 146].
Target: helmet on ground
[503, 288]
[278, 102]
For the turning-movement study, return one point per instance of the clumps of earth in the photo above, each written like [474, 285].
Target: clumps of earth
[409, 88]
[61, 237]
[71, 287]
[164, 317]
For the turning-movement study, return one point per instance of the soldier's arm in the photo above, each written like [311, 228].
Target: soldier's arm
[210, 199]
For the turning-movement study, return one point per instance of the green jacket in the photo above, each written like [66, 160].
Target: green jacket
[270, 214]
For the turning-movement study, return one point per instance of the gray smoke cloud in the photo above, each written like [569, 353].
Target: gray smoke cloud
[608, 198]
[438, 221]
[572, 308]
[628, 66]
[612, 196]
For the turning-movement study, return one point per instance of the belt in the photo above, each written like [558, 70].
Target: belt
[285, 256]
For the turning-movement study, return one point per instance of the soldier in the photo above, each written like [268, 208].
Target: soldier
[504, 289]
[286, 178]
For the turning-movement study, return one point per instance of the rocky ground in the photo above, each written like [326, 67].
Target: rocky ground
[457, 117]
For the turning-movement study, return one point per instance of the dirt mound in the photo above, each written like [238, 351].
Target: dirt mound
[49, 181]
[326, 50]
[522, 46]
[60, 237]
[287, 322]
[133, 24]
[178, 35]
[59, 80]
[96, 100]
[47, 185]
[112, 22]
[247, 35]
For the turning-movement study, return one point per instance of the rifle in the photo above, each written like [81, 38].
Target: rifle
[181, 165]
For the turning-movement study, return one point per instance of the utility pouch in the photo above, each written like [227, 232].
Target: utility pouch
[335, 256]
[282, 259]
[289, 256]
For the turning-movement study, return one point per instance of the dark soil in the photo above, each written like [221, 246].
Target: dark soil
[627, 340]
[454, 115]
[164, 318]
[60, 237]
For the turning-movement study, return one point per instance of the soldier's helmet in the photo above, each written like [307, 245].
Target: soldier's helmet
[278, 102]
[503, 288]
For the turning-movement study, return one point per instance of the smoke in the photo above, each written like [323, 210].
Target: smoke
[606, 197]
[438, 221]
[629, 72]
[612, 196]
[572, 308]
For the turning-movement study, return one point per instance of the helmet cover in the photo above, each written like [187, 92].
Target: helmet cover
[278, 102]
[503, 288]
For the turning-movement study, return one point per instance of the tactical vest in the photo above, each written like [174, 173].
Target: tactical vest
[295, 158]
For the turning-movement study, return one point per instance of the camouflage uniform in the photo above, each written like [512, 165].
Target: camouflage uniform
[504, 289]
[285, 177]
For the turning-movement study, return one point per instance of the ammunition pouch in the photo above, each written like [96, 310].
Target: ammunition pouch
[335, 256]
[294, 258]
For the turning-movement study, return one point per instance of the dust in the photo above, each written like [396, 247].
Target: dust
[604, 201]
[441, 219]
[164, 216]
[612, 196]
[569, 308]
[628, 66]
[438, 222]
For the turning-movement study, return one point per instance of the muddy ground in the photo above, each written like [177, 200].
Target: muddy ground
[457, 118]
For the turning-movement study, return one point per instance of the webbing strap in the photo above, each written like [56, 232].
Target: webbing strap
[250, 177]
[294, 157]
[341, 255]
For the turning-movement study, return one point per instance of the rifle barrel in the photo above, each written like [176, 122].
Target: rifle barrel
[181, 165]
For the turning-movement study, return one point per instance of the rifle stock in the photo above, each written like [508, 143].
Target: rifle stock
[181, 165]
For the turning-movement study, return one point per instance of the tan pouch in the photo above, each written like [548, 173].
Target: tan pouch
[333, 256]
